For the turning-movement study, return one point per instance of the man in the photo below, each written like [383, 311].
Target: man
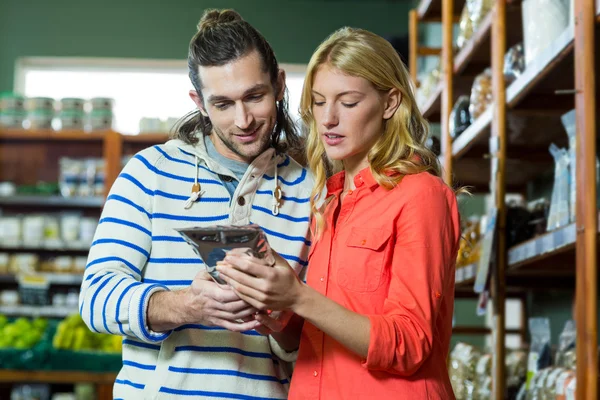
[183, 332]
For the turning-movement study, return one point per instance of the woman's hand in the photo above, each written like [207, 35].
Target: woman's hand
[269, 324]
[263, 286]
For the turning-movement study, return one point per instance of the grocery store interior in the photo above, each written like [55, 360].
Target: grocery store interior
[510, 92]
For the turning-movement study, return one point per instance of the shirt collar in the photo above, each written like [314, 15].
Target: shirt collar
[364, 177]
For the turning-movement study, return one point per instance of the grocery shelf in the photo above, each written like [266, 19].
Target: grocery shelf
[475, 55]
[431, 108]
[51, 278]
[52, 201]
[146, 138]
[476, 134]
[545, 248]
[12, 376]
[551, 70]
[465, 276]
[46, 135]
[79, 250]
[429, 9]
[37, 311]
[480, 330]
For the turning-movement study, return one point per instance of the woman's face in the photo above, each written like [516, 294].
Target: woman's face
[349, 113]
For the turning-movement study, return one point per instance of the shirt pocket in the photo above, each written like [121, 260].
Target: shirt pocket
[362, 265]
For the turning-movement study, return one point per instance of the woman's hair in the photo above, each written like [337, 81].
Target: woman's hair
[222, 37]
[401, 148]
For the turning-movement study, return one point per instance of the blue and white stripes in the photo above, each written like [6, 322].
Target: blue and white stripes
[137, 252]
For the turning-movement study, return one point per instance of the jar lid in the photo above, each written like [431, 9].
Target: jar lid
[101, 113]
[41, 112]
[13, 113]
[71, 113]
[48, 99]
[11, 95]
[73, 99]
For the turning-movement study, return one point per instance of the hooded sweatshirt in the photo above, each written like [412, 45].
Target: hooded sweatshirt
[136, 252]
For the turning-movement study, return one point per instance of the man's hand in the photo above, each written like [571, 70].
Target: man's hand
[204, 302]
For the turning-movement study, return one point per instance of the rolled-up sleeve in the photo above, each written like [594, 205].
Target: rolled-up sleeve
[421, 273]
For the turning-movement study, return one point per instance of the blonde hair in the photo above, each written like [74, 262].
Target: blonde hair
[401, 148]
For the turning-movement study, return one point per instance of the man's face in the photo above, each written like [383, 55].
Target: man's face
[240, 101]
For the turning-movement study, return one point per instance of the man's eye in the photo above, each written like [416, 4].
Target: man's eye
[256, 97]
[221, 106]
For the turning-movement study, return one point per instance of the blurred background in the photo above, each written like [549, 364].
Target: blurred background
[85, 84]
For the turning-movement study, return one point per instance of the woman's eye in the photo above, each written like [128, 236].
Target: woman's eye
[350, 105]
[318, 103]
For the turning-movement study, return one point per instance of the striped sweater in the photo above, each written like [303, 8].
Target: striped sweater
[136, 252]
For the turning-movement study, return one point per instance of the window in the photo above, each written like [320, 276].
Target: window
[140, 88]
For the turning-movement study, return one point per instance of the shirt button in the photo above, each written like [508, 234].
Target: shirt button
[241, 200]
[322, 279]
[315, 373]
[363, 242]
[349, 192]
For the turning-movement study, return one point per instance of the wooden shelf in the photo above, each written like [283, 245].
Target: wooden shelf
[550, 256]
[42, 249]
[52, 278]
[429, 10]
[12, 376]
[47, 135]
[551, 70]
[475, 56]
[480, 330]
[37, 311]
[465, 276]
[146, 138]
[476, 134]
[542, 247]
[431, 108]
[475, 171]
[52, 201]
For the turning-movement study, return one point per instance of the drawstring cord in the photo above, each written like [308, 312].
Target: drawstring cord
[277, 194]
[195, 188]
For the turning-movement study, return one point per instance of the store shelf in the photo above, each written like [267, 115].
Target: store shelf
[465, 276]
[475, 56]
[47, 135]
[12, 376]
[146, 138]
[429, 9]
[475, 135]
[37, 311]
[542, 247]
[551, 70]
[79, 250]
[431, 108]
[481, 330]
[52, 278]
[52, 201]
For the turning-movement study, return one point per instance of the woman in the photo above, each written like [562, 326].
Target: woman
[379, 295]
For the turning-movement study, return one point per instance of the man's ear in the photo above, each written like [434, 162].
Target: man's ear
[198, 101]
[392, 102]
[280, 85]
